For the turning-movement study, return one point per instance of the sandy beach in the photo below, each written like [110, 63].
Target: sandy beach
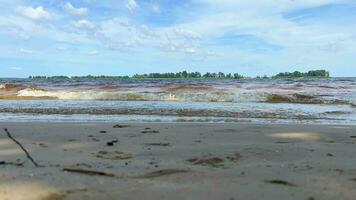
[177, 161]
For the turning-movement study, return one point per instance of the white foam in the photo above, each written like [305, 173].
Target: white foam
[145, 96]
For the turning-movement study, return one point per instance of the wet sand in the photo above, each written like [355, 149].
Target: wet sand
[177, 161]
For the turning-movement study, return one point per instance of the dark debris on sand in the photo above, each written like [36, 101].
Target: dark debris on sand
[284, 142]
[150, 131]
[43, 145]
[163, 172]
[115, 155]
[112, 142]
[11, 163]
[88, 172]
[120, 126]
[280, 182]
[158, 144]
[235, 157]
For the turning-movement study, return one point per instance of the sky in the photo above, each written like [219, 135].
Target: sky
[124, 37]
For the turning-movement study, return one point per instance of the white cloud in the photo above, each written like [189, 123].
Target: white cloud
[131, 5]
[24, 29]
[156, 8]
[199, 35]
[93, 53]
[26, 51]
[121, 33]
[16, 68]
[190, 50]
[265, 20]
[75, 11]
[187, 34]
[264, 6]
[84, 24]
[38, 13]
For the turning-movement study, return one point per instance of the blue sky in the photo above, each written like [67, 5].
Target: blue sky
[123, 37]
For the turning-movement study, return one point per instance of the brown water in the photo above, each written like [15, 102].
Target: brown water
[304, 100]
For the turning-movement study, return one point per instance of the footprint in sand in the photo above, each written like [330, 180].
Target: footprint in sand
[114, 155]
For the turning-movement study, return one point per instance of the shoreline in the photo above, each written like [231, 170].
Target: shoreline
[180, 160]
[242, 122]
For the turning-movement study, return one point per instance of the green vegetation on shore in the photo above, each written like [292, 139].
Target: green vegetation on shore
[185, 74]
[191, 75]
[297, 74]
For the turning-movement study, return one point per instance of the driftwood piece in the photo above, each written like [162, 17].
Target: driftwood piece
[88, 172]
[280, 182]
[11, 163]
[22, 147]
[158, 144]
[163, 172]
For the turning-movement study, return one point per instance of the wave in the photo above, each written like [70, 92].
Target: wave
[185, 88]
[180, 92]
[302, 99]
[237, 96]
[10, 86]
[214, 96]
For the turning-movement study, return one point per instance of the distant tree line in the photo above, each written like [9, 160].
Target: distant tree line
[297, 74]
[185, 74]
[88, 77]
[178, 75]
[190, 75]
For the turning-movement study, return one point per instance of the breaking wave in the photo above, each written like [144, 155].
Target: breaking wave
[338, 92]
[10, 86]
[214, 96]
[303, 99]
[312, 100]
[179, 96]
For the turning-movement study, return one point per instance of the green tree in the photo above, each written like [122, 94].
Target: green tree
[221, 75]
[184, 74]
[237, 76]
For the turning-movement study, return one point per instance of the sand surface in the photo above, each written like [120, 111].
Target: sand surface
[177, 161]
